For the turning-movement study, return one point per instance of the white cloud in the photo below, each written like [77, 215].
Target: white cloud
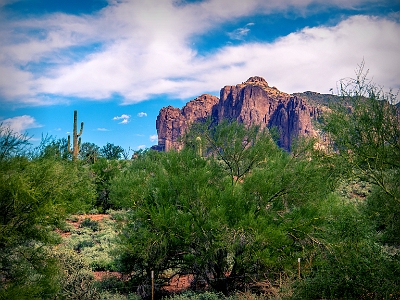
[145, 51]
[154, 138]
[240, 33]
[142, 114]
[20, 123]
[102, 129]
[141, 147]
[124, 117]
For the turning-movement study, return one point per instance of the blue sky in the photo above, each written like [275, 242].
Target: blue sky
[118, 62]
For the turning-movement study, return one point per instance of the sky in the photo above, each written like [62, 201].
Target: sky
[118, 62]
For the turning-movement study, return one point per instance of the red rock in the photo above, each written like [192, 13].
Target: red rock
[251, 102]
[172, 122]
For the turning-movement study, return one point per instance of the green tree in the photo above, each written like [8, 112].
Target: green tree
[365, 131]
[186, 215]
[52, 148]
[358, 257]
[174, 221]
[111, 151]
[104, 172]
[350, 264]
[239, 148]
[12, 143]
[35, 196]
[89, 152]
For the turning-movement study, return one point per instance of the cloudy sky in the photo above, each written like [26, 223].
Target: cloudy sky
[118, 62]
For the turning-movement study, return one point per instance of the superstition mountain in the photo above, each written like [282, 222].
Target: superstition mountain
[251, 102]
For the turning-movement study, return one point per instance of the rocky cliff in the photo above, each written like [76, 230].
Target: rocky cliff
[172, 122]
[251, 102]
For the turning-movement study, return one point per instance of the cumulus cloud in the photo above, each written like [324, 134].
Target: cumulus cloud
[142, 114]
[154, 138]
[125, 118]
[20, 123]
[143, 50]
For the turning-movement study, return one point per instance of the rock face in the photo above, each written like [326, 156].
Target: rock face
[172, 122]
[251, 102]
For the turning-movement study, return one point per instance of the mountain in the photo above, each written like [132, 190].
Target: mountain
[251, 102]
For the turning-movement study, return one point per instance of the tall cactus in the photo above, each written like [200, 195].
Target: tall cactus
[199, 149]
[76, 142]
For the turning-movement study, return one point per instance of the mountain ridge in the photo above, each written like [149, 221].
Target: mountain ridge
[249, 102]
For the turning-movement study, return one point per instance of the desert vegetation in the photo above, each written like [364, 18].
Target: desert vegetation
[232, 214]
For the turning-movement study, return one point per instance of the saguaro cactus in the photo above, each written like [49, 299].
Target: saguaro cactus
[76, 143]
[199, 149]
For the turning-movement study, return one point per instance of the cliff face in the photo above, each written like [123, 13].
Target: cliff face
[252, 102]
[255, 102]
[172, 122]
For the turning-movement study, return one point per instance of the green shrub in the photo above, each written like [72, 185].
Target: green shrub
[87, 222]
[77, 281]
[95, 241]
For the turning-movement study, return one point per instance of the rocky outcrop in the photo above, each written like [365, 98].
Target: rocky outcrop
[255, 102]
[172, 122]
[251, 102]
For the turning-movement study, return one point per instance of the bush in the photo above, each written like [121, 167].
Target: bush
[77, 281]
[89, 223]
[35, 197]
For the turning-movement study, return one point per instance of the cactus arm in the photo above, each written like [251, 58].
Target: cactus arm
[69, 145]
[80, 132]
[79, 144]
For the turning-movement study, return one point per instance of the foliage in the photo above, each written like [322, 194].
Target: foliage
[111, 151]
[35, 196]
[105, 170]
[116, 296]
[365, 131]
[173, 195]
[28, 271]
[186, 215]
[52, 148]
[95, 242]
[198, 296]
[94, 225]
[77, 281]
[12, 143]
[89, 152]
[351, 265]
[239, 148]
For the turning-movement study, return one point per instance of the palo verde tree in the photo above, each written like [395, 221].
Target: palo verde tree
[187, 216]
[12, 143]
[174, 223]
[35, 194]
[359, 258]
[365, 132]
[51, 147]
[239, 147]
